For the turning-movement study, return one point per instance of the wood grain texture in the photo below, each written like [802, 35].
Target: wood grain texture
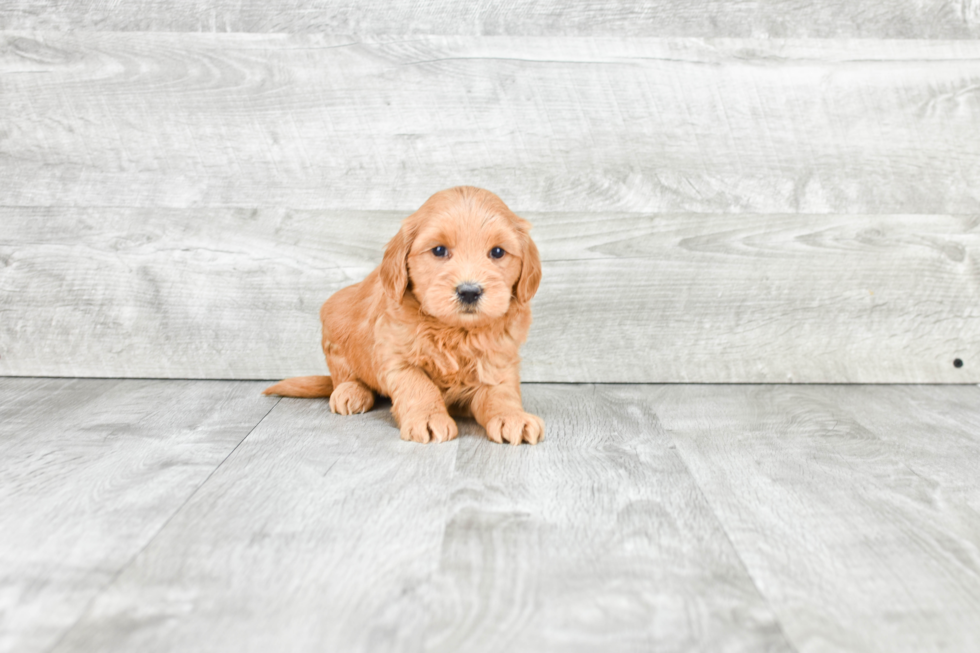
[232, 293]
[666, 518]
[594, 540]
[855, 509]
[91, 470]
[317, 534]
[717, 18]
[549, 123]
[324, 532]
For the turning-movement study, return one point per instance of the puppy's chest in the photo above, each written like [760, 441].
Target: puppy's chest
[460, 363]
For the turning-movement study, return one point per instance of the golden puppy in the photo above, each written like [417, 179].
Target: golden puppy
[437, 325]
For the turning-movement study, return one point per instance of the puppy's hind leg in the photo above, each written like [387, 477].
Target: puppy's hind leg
[351, 397]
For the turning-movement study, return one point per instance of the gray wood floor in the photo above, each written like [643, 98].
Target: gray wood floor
[201, 516]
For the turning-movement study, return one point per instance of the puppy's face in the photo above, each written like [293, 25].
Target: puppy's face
[466, 257]
[463, 267]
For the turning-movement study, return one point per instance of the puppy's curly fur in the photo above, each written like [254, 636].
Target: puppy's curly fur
[438, 324]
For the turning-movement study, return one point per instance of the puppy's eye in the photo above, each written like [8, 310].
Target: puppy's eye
[439, 251]
[497, 252]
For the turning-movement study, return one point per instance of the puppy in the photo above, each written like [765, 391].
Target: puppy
[437, 325]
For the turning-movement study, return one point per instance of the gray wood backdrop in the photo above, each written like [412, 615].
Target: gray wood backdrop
[721, 191]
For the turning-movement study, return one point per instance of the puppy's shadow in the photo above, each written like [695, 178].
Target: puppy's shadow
[468, 426]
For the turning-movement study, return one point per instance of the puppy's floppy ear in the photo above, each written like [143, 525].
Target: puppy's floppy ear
[530, 277]
[394, 265]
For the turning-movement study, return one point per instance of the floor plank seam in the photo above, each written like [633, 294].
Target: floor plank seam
[438, 571]
[536, 382]
[728, 538]
[88, 606]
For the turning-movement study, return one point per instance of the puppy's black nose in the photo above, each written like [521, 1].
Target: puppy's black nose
[469, 293]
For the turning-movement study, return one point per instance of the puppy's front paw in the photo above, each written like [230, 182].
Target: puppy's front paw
[516, 427]
[351, 397]
[437, 426]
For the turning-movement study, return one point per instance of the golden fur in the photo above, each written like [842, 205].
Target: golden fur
[405, 332]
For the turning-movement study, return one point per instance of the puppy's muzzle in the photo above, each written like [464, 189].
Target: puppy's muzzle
[469, 293]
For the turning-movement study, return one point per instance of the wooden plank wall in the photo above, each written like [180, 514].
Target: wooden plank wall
[930, 19]
[721, 191]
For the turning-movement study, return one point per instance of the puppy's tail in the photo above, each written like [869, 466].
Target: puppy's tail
[302, 386]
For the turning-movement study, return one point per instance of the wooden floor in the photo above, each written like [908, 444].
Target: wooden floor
[187, 516]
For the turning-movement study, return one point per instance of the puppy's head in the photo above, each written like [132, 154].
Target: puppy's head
[465, 256]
